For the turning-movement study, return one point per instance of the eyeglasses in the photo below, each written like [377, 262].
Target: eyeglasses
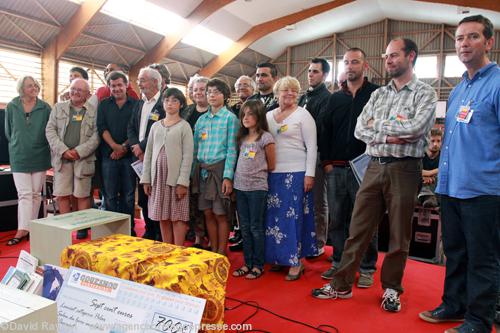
[213, 92]
[78, 90]
[243, 85]
[142, 80]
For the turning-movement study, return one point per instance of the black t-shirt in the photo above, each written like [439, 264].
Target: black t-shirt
[191, 115]
[430, 164]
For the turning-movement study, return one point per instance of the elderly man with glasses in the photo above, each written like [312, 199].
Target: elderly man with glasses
[73, 139]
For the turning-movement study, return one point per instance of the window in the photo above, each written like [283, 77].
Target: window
[96, 77]
[340, 69]
[453, 67]
[426, 67]
[13, 65]
[207, 40]
[144, 14]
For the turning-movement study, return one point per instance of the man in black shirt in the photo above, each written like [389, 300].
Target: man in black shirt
[338, 146]
[266, 76]
[112, 120]
[430, 164]
[315, 101]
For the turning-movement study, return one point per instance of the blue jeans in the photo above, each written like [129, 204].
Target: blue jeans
[471, 241]
[119, 184]
[251, 207]
[341, 190]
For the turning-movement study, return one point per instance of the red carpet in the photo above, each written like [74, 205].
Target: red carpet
[423, 286]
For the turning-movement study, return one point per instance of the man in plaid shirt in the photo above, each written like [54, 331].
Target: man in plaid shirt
[395, 125]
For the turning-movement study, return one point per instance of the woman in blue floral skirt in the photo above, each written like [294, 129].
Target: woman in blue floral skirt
[290, 231]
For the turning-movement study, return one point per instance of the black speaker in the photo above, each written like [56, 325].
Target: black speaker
[425, 242]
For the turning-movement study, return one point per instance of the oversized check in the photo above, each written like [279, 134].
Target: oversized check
[93, 302]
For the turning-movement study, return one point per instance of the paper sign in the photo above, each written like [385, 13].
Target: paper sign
[93, 302]
[26, 262]
[137, 166]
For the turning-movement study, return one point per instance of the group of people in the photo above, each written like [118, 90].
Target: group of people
[284, 160]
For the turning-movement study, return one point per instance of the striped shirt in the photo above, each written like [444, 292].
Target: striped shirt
[407, 114]
[215, 139]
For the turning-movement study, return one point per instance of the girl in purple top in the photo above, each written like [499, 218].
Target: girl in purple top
[256, 158]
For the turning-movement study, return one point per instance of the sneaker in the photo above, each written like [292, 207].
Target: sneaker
[237, 237]
[327, 292]
[365, 280]
[328, 275]
[464, 328]
[390, 301]
[439, 315]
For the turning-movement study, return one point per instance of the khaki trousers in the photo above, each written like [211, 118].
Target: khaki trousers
[388, 187]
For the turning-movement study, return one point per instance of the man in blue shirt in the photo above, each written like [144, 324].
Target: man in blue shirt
[469, 184]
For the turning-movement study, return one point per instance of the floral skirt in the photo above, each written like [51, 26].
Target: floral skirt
[290, 230]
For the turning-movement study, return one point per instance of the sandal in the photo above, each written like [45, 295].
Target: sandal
[255, 273]
[241, 271]
[17, 240]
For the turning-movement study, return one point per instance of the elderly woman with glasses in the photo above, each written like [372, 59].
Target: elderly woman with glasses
[290, 231]
[25, 119]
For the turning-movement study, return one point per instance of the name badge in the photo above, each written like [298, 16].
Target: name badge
[204, 135]
[283, 129]
[250, 153]
[154, 116]
[464, 114]
[77, 117]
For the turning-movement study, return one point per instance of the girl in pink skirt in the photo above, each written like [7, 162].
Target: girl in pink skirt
[166, 170]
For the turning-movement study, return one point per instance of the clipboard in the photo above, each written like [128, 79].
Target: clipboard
[359, 166]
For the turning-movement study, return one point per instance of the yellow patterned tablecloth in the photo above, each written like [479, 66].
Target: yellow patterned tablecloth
[184, 270]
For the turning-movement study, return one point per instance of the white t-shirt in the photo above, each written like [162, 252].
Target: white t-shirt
[295, 139]
[146, 110]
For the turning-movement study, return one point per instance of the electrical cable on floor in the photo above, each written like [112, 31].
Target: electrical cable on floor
[257, 307]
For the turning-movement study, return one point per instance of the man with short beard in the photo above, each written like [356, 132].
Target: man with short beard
[395, 125]
[266, 76]
[337, 147]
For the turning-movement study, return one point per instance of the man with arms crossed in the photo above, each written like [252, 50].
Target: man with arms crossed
[395, 125]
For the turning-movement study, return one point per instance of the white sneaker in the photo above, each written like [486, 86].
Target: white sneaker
[390, 301]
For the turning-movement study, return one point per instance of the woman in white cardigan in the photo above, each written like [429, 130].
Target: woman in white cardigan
[290, 231]
[166, 170]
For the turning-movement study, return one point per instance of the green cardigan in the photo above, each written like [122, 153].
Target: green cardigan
[28, 147]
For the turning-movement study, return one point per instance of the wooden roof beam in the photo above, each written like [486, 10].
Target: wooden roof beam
[481, 4]
[262, 30]
[167, 43]
[59, 44]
